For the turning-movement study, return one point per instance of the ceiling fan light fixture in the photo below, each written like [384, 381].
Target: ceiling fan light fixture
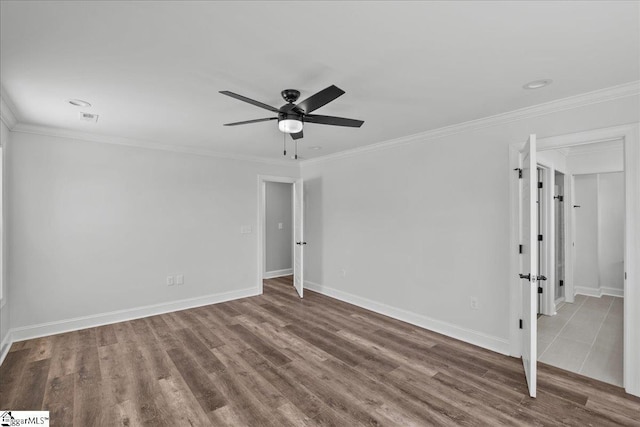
[290, 125]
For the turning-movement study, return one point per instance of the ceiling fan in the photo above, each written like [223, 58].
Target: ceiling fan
[291, 116]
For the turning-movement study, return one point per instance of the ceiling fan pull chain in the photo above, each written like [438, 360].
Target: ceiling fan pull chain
[284, 143]
[296, 149]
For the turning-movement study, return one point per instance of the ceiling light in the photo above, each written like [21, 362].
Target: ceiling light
[79, 103]
[290, 125]
[537, 84]
[316, 147]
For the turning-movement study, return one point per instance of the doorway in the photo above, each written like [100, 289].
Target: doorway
[627, 136]
[584, 333]
[278, 235]
[278, 230]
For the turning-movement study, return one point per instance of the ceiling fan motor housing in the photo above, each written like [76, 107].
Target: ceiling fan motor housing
[290, 95]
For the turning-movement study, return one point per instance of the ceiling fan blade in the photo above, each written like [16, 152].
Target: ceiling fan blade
[334, 121]
[321, 98]
[251, 121]
[250, 101]
[296, 135]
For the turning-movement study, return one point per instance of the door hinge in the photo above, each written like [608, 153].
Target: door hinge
[520, 323]
[520, 249]
[561, 282]
[539, 237]
[539, 185]
[539, 289]
[519, 172]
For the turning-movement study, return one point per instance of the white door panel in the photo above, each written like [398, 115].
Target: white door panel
[530, 255]
[298, 237]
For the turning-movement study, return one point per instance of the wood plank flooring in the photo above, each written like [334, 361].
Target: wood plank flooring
[277, 360]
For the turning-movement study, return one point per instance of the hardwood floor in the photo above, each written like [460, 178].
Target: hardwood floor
[277, 360]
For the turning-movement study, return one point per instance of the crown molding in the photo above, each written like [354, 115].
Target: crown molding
[105, 139]
[602, 95]
[589, 98]
[6, 113]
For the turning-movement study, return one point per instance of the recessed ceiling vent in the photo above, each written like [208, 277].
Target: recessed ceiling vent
[88, 117]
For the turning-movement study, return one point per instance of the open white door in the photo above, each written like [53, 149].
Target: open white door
[298, 237]
[529, 277]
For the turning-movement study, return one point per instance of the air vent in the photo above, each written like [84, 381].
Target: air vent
[88, 117]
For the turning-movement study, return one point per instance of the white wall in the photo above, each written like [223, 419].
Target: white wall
[96, 227]
[586, 272]
[5, 322]
[596, 161]
[599, 234]
[611, 231]
[278, 241]
[419, 228]
[553, 158]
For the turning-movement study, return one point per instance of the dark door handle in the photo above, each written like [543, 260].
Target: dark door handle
[301, 243]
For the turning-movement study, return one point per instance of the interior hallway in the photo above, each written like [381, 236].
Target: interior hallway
[585, 337]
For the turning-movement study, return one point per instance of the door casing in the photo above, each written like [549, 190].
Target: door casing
[262, 182]
[630, 135]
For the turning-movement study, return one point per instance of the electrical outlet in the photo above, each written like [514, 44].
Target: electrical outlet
[170, 281]
[279, 226]
[180, 279]
[474, 303]
[343, 273]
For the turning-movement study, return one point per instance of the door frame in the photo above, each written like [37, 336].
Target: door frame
[547, 249]
[548, 305]
[629, 134]
[262, 200]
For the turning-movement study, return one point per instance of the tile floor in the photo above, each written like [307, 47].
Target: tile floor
[585, 337]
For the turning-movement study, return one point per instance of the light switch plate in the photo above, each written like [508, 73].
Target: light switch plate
[279, 226]
[180, 279]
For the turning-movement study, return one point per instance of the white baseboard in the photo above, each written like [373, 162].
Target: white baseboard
[598, 292]
[277, 273]
[5, 345]
[480, 339]
[614, 292]
[51, 328]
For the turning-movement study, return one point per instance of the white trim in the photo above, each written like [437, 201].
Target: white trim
[613, 292]
[596, 149]
[7, 114]
[116, 140]
[471, 336]
[630, 135]
[262, 180]
[598, 292]
[582, 100]
[278, 273]
[50, 328]
[5, 345]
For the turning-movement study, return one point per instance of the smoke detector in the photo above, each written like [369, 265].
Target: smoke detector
[88, 117]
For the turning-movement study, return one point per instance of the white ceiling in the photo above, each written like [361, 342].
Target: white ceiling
[152, 70]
